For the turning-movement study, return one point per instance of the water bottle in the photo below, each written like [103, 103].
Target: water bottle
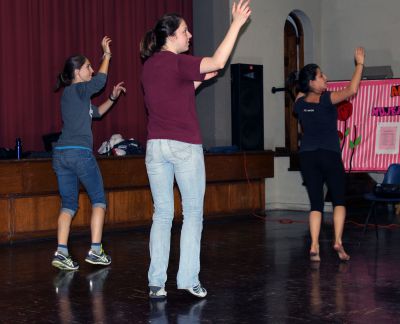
[18, 148]
[109, 152]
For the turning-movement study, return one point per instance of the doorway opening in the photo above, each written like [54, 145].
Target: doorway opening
[293, 62]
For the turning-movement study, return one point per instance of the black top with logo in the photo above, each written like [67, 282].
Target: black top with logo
[319, 123]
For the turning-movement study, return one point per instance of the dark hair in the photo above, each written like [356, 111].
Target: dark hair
[307, 74]
[155, 38]
[66, 77]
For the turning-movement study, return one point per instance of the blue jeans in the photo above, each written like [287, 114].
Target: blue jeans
[72, 166]
[164, 160]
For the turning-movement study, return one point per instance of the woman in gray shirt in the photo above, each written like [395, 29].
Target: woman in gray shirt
[73, 160]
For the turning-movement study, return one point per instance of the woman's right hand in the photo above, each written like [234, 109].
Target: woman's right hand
[240, 12]
[105, 44]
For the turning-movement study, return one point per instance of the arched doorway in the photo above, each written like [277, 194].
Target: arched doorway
[293, 62]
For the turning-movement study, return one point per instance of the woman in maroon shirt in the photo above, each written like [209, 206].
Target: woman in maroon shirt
[174, 147]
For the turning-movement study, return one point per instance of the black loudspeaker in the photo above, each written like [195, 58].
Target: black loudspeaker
[247, 106]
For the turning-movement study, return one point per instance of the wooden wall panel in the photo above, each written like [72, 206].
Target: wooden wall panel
[11, 180]
[30, 204]
[216, 200]
[5, 218]
[233, 198]
[245, 196]
[35, 214]
[40, 213]
[129, 206]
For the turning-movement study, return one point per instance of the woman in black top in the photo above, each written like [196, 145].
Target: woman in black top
[320, 156]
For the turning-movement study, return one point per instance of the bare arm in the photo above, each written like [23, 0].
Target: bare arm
[352, 88]
[106, 105]
[105, 44]
[240, 14]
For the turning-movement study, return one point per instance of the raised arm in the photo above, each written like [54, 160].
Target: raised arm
[118, 88]
[240, 14]
[352, 88]
[105, 44]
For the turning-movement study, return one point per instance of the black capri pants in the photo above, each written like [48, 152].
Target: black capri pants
[322, 166]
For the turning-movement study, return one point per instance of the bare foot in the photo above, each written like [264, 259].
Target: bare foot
[343, 256]
[314, 257]
[397, 209]
[314, 254]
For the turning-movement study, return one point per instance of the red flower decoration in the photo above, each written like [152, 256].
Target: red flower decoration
[344, 109]
[340, 134]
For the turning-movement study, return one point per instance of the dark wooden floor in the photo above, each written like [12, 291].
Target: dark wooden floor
[256, 271]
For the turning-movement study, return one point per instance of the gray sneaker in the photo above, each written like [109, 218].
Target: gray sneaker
[64, 262]
[95, 258]
[157, 292]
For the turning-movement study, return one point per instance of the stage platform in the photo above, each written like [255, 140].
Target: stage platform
[29, 201]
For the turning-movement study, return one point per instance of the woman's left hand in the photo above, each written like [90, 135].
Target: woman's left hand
[359, 55]
[118, 89]
[105, 44]
[241, 12]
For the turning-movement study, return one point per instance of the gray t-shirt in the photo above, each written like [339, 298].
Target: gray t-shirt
[77, 112]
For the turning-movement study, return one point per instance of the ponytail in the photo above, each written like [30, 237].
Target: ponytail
[155, 39]
[307, 74]
[66, 77]
[148, 45]
[61, 82]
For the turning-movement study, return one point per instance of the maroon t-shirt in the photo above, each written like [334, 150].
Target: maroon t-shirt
[169, 95]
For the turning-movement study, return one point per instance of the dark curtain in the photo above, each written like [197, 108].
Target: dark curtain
[36, 36]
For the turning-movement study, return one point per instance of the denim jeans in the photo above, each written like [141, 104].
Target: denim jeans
[164, 160]
[72, 166]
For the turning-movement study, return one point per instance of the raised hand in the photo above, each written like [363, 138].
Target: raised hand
[240, 12]
[105, 44]
[117, 89]
[359, 55]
